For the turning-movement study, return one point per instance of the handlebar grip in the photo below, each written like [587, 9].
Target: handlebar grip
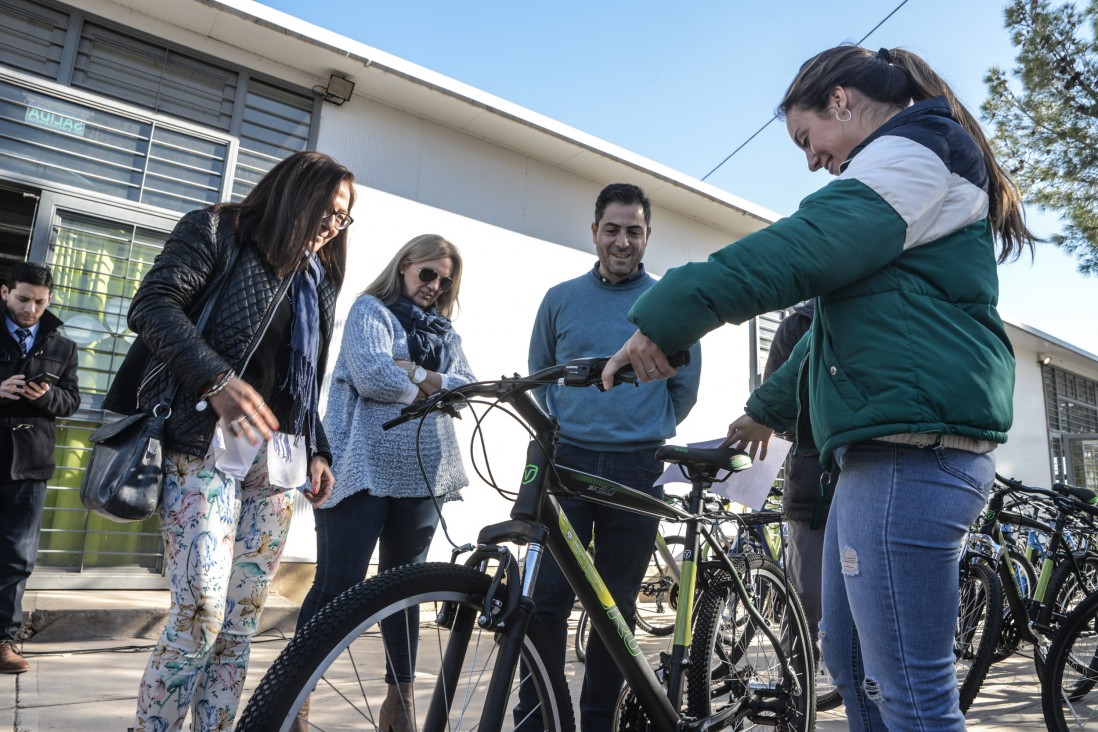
[1086, 495]
[680, 359]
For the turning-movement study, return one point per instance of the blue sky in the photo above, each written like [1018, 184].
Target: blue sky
[685, 83]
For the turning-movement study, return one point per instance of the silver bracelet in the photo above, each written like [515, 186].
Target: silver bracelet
[220, 385]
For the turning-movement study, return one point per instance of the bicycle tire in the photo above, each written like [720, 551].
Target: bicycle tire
[1010, 639]
[979, 622]
[658, 595]
[827, 695]
[338, 660]
[1067, 588]
[1065, 592]
[730, 654]
[583, 631]
[1068, 697]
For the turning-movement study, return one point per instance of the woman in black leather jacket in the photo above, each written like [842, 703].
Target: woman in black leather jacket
[243, 431]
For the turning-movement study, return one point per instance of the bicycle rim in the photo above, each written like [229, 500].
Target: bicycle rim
[338, 661]
[1069, 697]
[657, 597]
[731, 656]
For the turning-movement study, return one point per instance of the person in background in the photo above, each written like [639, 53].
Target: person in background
[612, 434]
[398, 346]
[37, 385]
[910, 371]
[243, 431]
[808, 487]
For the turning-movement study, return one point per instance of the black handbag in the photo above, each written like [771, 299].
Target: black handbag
[124, 477]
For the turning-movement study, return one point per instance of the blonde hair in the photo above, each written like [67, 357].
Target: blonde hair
[389, 285]
[895, 78]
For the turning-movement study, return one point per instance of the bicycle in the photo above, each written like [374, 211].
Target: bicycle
[1068, 700]
[749, 661]
[997, 579]
[657, 596]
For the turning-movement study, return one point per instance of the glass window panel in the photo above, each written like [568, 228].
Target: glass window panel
[213, 151]
[153, 76]
[32, 37]
[273, 128]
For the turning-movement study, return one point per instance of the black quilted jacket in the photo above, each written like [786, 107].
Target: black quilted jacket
[163, 311]
[803, 471]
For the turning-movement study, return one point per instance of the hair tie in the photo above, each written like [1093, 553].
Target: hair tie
[885, 55]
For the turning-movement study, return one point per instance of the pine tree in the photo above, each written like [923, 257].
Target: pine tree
[1045, 120]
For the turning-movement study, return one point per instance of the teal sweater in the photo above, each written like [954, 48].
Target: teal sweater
[586, 317]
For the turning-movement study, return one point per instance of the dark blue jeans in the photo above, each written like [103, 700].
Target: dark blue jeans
[21, 504]
[623, 547]
[346, 535]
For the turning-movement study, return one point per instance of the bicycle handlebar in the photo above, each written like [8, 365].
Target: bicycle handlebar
[1086, 500]
[577, 372]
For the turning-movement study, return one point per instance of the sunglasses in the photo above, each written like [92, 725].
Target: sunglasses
[429, 275]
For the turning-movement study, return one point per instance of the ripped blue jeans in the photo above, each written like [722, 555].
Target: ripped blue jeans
[890, 581]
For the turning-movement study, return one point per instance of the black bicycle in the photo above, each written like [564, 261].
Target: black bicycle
[746, 663]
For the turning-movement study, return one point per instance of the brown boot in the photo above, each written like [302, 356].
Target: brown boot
[11, 660]
[301, 723]
[396, 710]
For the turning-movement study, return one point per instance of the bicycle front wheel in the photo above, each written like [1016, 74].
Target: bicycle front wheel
[732, 656]
[979, 621]
[1068, 695]
[338, 660]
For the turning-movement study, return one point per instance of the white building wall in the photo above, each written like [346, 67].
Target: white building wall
[1025, 455]
[505, 276]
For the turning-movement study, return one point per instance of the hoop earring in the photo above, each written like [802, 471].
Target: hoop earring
[848, 117]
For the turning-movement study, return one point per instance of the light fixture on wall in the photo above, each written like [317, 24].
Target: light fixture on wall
[1044, 359]
[338, 91]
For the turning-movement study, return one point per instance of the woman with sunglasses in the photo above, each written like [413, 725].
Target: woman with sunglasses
[398, 346]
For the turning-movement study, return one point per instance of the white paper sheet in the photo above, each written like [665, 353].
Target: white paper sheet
[749, 487]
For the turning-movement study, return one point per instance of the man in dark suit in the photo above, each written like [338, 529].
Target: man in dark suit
[37, 385]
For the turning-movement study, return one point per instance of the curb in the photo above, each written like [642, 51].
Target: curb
[105, 615]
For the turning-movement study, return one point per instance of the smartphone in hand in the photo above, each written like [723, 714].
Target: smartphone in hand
[44, 378]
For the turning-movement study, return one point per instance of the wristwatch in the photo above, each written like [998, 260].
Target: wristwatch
[417, 374]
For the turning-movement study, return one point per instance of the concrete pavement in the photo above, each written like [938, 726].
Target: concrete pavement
[87, 660]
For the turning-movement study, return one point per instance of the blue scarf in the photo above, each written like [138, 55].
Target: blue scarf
[426, 334]
[301, 379]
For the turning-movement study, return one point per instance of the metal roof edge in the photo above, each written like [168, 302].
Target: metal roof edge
[371, 57]
[1051, 340]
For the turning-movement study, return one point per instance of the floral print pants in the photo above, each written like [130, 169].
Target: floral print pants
[222, 542]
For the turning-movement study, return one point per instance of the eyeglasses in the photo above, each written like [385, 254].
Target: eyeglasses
[429, 275]
[341, 220]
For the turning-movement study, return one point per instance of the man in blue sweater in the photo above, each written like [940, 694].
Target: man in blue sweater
[613, 434]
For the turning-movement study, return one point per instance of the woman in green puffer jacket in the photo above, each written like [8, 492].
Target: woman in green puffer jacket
[909, 368]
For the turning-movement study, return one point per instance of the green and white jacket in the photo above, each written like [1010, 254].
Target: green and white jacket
[899, 253]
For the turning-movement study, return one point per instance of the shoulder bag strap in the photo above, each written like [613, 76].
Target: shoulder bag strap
[207, 310]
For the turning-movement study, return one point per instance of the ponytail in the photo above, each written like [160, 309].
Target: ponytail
[897, 77]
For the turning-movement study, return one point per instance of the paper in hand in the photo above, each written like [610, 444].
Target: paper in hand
[748, 487]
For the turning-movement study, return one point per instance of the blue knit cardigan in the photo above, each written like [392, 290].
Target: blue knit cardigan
[365, 387]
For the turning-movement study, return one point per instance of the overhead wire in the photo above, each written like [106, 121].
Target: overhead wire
[775, 116]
